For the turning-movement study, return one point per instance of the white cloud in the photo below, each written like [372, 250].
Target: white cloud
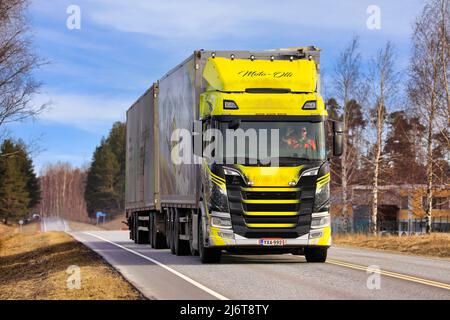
[92, 113]
[207, 20]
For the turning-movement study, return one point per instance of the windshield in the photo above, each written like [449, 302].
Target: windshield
[288, 141]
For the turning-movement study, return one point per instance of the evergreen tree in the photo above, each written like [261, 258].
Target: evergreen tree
[27, 169]
[117, 140]
[15, 176]
[402, 163]
[105, 186]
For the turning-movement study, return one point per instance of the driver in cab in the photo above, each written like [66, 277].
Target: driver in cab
[299, 142]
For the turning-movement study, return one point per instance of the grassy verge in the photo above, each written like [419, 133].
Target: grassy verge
[33, 265]
[435, 245]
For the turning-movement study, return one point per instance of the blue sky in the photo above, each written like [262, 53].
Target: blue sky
[95, 73]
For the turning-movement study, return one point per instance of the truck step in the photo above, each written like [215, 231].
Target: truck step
[144, 218]
[143, 229]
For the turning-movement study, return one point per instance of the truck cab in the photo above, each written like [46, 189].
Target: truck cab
[276, 199]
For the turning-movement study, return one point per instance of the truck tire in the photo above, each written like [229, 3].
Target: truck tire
[181, 247]
[141, 236]
[150, 228]
[171, 223]
[157, 240]
[131, 226]
[192, 231]
[167, 227]
[316, 254]
[207, 255]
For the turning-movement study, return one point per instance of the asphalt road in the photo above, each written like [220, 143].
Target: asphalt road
[161, 275]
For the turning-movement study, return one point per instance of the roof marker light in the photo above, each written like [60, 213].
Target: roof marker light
[291, 58]
[252, 57]
[213, 55]
[232, 56]
[272, 58]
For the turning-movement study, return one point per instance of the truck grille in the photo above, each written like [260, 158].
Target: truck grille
[270, 207]
[270, 195]
[262, 213]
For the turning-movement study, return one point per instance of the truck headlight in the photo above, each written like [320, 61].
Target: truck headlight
[322, 197]
[219, 199]
[320, 222]
[220, 222]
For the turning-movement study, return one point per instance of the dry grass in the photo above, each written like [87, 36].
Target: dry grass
[116, 223]
[33, 266]
[435, 245]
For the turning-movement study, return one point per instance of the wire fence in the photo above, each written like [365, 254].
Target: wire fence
[402, 227]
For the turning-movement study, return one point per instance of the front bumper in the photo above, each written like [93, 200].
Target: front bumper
[227, 238]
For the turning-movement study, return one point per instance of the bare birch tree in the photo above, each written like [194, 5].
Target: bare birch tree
[63, 192]
[444, 27]
[428, 87]
[346, 80]
[383, 80]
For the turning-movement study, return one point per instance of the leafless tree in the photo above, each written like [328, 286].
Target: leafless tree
[17, 62]
[383, 81]
[346, 79]
[62, 188]
[443, 7]
[428, 86]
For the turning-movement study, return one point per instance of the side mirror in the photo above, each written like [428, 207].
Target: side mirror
[197, 138]
[338, 138]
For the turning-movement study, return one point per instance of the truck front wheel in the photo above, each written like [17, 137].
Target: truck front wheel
[316, 254]
[207, 255]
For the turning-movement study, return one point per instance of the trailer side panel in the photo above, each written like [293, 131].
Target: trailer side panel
[140, 165]
[177, 111]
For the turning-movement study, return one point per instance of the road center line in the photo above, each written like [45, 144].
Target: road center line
[391, 274]
[186, 278]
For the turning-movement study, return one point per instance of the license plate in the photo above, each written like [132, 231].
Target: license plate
[272, 242]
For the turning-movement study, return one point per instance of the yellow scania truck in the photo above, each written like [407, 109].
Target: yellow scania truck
[178, 196]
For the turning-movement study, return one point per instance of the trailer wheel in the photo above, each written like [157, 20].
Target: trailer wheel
[141, 236]
[316, 254]
[167, 227]
[191, 231]
[181, 247]
[131, 226]
[158, 241]
[151, 227]
[207, 255]
[171, 223]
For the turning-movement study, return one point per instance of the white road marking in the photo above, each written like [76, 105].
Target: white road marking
[186, 278]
